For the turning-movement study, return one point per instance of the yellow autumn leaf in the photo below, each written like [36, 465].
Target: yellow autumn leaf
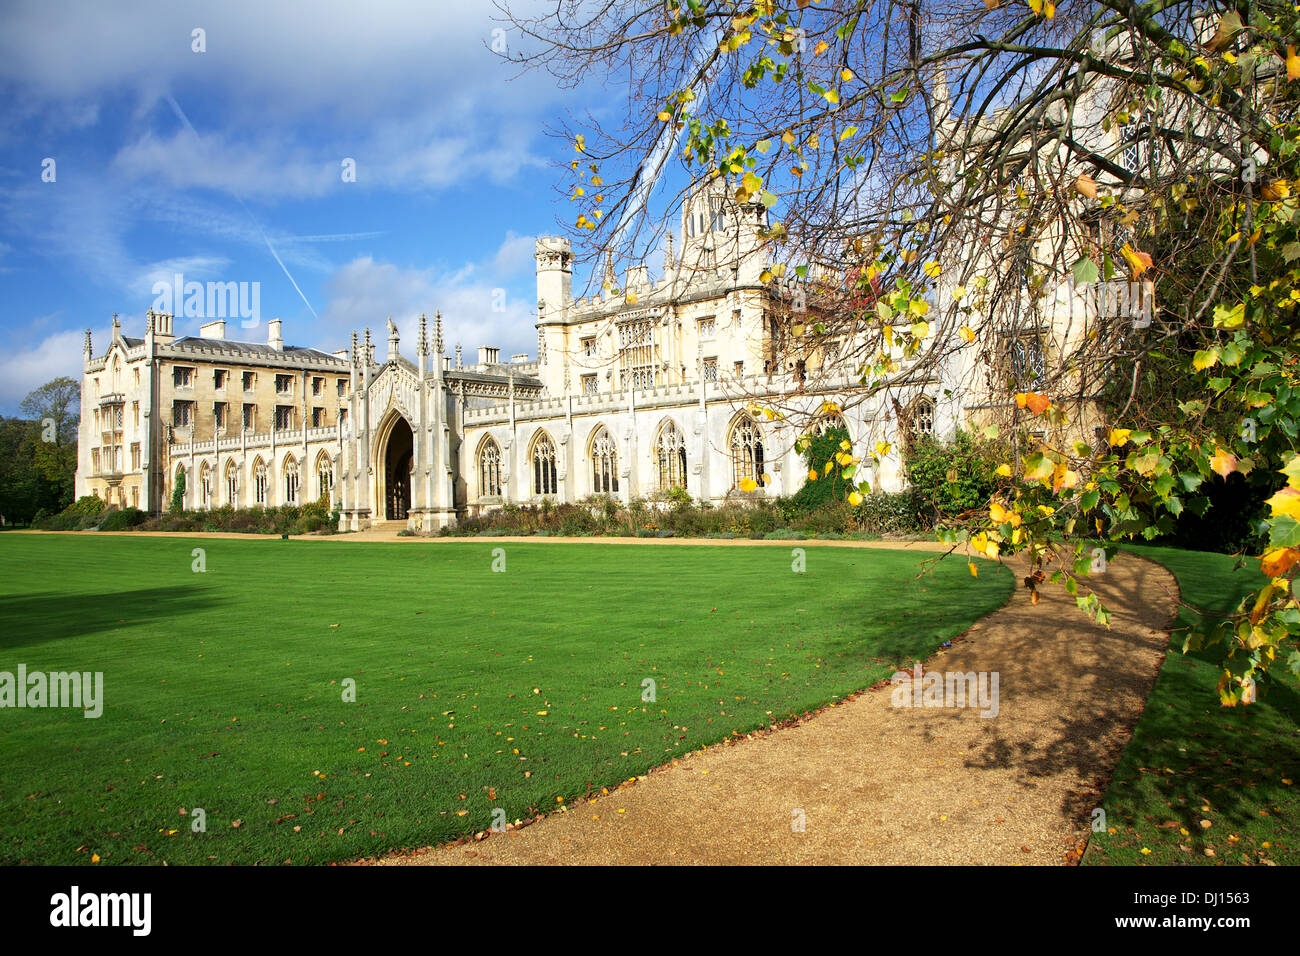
[855, 498]
[1286, 502]
[748, 484]
[1003, 515]
[1119, 436]
[1276, 190]
[1278, 561]
[1224, 463]
[812, 474]
[974, 571]
[1033, 401]
[1003, 471]
[966, 333]
[1138, 262]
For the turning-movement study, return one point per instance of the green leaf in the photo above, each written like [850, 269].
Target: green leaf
[1085, 271]
[1284, 532]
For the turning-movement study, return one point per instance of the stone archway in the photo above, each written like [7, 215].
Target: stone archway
[396, 457]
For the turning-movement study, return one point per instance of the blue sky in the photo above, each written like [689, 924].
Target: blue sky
[454, 171]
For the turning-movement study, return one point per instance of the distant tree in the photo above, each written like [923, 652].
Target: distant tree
[22, 490]
[56, 403]
[55, 408]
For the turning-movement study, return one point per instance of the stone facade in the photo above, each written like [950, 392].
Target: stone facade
[634, 391]
[642, 388]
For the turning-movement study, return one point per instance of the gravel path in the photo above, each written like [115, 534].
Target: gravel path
[878, 783]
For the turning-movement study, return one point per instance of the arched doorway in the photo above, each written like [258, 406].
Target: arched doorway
[397, 470]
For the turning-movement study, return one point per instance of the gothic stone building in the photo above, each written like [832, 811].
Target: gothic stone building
[632, 393]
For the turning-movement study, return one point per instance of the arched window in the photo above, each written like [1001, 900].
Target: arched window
[325, 477]
[921, 416]
[829, 422]
[746, 451]
[205, 485]
[232, 484]
[670, 454]
[604, 463]
[489, 469]
[290, 480]
[259, 482]
[545, 480]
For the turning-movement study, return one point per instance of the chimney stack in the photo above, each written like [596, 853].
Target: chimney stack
[213, 330]
[274, 339]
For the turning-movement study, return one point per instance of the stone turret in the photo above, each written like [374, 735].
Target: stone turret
[554, 276]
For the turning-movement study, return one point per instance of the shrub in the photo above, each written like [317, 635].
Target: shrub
[890, 513]
[577, 522]
[178, 493]
[761, 521]
[309, 524]
[86, 512]
[123, 519]
[951, 477]
[835, 517]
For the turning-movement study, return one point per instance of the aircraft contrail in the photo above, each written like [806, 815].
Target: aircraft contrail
[180, 114]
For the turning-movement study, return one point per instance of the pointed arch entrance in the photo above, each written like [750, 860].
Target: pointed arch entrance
[396, 454]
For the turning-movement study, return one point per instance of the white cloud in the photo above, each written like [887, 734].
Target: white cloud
[338, 56]
[480, 304]
[191, 267]
[516, 255]
[23, 370]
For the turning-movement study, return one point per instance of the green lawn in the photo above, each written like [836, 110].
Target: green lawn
[475, 689]
[1192, 760]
